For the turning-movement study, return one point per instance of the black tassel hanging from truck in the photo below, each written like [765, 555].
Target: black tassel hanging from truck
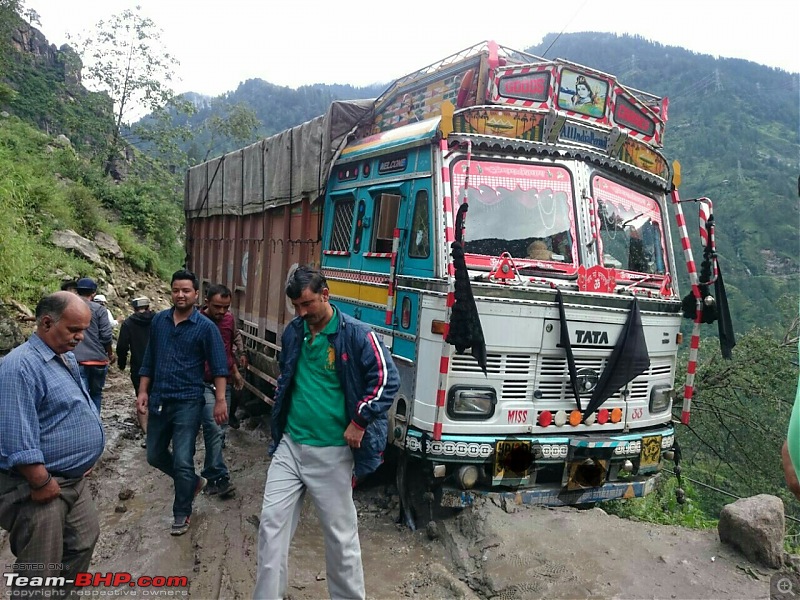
[465, 323]
[628, 360]
[567, 346]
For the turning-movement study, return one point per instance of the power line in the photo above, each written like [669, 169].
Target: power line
[720, 491]
[575, 14]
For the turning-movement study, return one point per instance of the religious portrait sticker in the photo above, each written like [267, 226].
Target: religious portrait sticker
[582, 93]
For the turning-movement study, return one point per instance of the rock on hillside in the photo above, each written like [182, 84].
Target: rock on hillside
[116, 279]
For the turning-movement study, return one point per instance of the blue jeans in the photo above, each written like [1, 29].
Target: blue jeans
[214, 465]
[94, 378]
[178, 422]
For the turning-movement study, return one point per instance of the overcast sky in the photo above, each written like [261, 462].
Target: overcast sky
[294, 42]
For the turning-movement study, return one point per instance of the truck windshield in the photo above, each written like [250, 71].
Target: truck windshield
[525, 210]
[630, 225]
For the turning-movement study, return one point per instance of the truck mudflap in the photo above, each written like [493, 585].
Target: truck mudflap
[551, 496]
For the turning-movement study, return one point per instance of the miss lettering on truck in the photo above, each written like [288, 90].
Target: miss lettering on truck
[501, 219]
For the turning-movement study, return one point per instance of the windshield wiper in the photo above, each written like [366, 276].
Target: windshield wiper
[548, 268]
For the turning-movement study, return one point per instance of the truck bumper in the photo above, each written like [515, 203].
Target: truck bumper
[554, 496]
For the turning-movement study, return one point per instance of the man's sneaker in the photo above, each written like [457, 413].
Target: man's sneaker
[180, 526]
[234, 422]
[211, 489]
[224, 487]
[202, 482]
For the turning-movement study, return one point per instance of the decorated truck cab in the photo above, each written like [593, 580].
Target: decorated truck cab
[502, 221]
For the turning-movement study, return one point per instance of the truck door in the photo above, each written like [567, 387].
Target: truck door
[416, 258]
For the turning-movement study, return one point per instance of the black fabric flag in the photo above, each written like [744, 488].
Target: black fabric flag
[567, 346]
[727, 340]
[628, 360]
[465, 323]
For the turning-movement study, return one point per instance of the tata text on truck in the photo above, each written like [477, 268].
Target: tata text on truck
[513, 206]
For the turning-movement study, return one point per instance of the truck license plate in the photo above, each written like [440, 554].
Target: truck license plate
[651, 451]
[512, 459]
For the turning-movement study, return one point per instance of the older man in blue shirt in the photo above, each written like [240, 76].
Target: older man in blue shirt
[171, 390]
[50, 436]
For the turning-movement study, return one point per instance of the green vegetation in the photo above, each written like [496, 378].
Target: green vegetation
[49, 183]
[45, 187]
[662, 506]
[739, 417]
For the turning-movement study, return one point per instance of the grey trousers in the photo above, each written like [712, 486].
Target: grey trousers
[53, 539]
[326, 473]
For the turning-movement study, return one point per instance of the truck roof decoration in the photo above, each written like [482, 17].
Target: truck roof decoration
[497, 91]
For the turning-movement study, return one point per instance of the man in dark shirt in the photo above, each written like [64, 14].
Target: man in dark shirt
[218, 303]
[95, 351]
[171, 390]
[133, 336]
[50, 437]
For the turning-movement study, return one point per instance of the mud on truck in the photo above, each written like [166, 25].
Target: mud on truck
[502, 221]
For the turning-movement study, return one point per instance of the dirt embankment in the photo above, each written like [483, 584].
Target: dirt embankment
[486, 552]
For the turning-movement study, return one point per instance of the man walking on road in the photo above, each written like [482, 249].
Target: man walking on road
[133, 337]
[329, 424]
[218, 303]
[171, 391]
[95, 352]
[50, 437]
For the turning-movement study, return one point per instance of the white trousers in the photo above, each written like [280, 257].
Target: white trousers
[326, 473]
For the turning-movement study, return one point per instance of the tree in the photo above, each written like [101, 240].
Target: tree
[124, 56]
[32, 16]
[9, 18]
[161, 135]
[740, 412]
[236, 125]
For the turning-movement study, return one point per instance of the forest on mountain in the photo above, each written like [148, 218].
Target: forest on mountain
[733, 125]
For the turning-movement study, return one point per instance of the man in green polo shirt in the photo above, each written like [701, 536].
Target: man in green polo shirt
[317, 415]
[329, 429]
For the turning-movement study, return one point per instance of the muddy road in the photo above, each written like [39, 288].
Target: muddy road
[491, 551]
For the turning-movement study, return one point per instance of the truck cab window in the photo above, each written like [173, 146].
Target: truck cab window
[525, 210]
[419, 240]
[386, 209]
[342, 224]
[630, 229]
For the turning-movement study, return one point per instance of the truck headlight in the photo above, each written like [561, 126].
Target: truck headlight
[660, 398]
[470, 402]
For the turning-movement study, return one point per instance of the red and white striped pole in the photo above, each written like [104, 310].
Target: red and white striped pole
[688, 388]
[707, 234]
[449, 238]
[392, 266]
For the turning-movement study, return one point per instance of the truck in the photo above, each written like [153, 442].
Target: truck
[501, 220]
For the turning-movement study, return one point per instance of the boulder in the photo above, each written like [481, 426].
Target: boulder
[755, 527]
[66, 238]
[63, 141]
[108, 244]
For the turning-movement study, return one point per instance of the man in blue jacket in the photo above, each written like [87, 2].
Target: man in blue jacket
[329, 424]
